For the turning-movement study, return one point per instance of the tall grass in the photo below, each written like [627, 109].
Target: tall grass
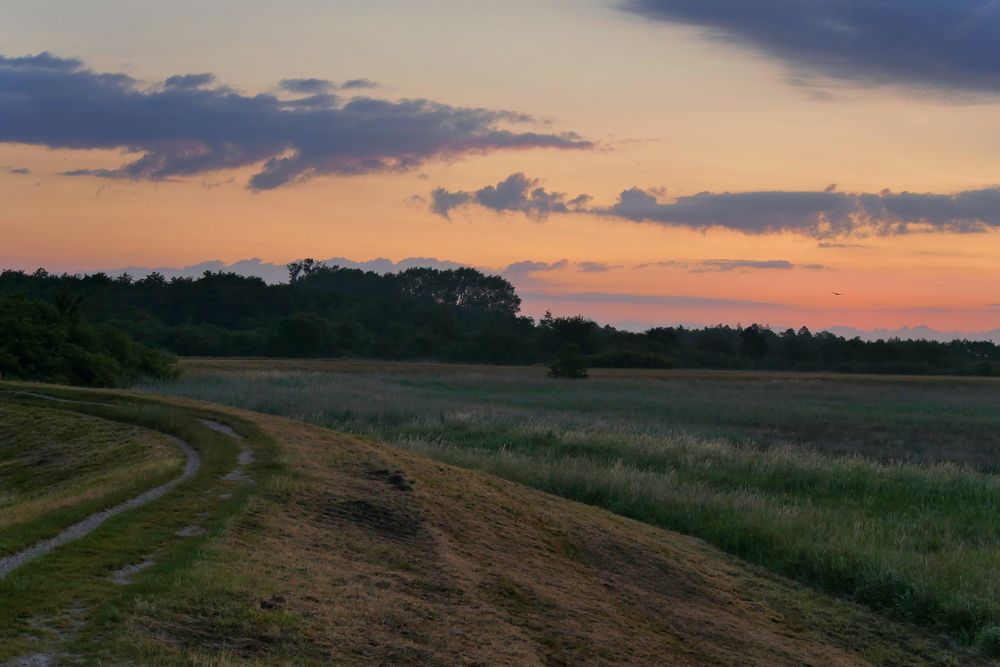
[799, 477]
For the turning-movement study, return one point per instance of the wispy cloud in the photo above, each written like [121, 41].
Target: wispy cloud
[597, 267]
[189, 124]
[821, 214]
[827, 245]
[313, 86]
[723, 265]
[641, 299]
[727, 265]
[937, 44]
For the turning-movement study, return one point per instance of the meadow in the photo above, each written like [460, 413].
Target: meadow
[335, 549]
[880, 490]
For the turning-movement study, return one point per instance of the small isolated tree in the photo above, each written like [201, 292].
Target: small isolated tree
[569, 364]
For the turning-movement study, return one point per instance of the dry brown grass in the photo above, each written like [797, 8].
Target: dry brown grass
[359, 553]
[52, 460]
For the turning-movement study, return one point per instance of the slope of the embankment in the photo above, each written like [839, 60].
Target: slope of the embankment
[383, 557]
[346, 551]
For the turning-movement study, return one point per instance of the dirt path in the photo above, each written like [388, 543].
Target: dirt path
[9, 563]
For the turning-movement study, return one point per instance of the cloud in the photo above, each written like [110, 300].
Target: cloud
[522, 273]
[312, 86]
[920, 332]
[18, 171]
[641, 299]
[306, 86]
[358, 84]
[190, 127]
[442, 201]
[189, 81]
[517, 192]
[820, 214]
[596, 267]
[814, 213]
[726, 265]
[830, 244]
[943, 44]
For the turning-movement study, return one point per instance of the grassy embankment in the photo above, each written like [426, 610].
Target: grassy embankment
[63, 603]
[349, 552]
[57, 467]
[798, 474]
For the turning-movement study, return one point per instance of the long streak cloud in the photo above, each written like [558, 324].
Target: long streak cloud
[190, 124]
[821, 213]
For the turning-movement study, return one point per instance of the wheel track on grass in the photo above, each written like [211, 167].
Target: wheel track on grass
[86, 526]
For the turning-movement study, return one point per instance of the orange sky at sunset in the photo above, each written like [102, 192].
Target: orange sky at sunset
[668, 107]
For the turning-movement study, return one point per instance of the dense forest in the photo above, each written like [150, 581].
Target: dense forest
[50, 342]
[457, 315]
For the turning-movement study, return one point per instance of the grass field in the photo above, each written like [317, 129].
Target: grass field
[345, 551]
[71, 459]
[880, 490]
[57, 467]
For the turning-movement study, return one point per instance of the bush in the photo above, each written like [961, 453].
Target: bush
[52, 343]
[569, 364]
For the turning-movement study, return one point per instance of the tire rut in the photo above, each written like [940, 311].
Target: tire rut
[82, 528]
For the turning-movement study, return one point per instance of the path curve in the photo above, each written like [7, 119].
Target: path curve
[9, 563]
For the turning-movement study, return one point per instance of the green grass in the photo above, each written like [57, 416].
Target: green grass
[66, 601]
[879, 491]
[57, 467]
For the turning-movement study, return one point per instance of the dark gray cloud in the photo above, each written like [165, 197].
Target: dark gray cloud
[751, 212]
[517, 193]
[191, 127]
[358, 84]
[946, 44]
[306, 86]
[312, 86]
[18, 171]
[442, 201]
[821, 214]
[187, 81]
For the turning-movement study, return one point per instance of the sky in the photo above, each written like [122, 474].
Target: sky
[643, 162]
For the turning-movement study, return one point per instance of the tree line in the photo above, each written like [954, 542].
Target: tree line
[460, 315]
[51, 342]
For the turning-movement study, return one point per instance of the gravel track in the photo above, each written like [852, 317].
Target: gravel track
[245, 457]
[9, 563]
